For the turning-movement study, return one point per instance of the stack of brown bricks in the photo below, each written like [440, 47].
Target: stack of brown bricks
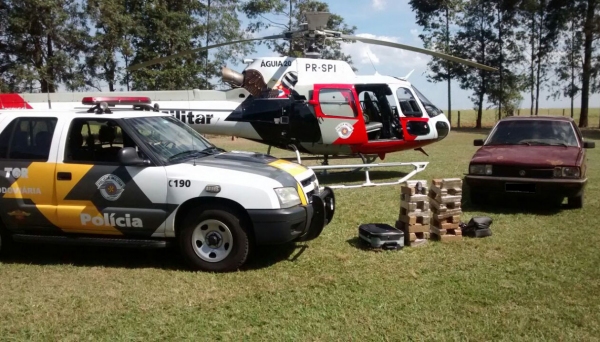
[414, 218]
[445, 197]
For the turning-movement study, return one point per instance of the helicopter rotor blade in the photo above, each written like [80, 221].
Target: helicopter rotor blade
[188, 52]
[416, 49]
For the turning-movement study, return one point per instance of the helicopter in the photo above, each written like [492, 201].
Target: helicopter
[302, 104]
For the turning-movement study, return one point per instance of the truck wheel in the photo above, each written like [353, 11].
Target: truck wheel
[214, 240]
[576, 202]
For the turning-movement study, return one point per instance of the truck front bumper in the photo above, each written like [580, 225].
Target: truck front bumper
[300, 223]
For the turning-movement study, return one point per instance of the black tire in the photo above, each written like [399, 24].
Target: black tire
[228, 232]
[576, 202]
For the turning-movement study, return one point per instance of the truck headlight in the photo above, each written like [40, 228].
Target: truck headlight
[567, 172]
[480, 169]
[288, 197]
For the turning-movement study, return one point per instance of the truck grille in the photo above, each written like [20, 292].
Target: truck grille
[307, 186]
[515, 171]
[308, 181]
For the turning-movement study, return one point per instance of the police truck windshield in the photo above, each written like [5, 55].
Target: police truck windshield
[170, 139]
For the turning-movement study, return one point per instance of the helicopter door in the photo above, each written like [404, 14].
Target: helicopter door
[339, 114]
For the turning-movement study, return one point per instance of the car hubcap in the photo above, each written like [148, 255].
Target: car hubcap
[212, 240]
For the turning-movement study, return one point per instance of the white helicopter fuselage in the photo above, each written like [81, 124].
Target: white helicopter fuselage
[210, 111]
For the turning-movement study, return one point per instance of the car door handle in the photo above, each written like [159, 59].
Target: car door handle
[63, 175]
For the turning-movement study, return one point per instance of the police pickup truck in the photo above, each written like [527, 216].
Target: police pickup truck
[143, 178]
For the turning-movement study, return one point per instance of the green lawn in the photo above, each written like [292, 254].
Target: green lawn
[536, 278]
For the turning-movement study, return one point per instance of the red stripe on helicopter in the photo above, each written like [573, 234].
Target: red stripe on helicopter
[13, 101]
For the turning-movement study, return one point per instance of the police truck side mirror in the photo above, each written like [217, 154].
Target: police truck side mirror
[128, 156]
[478, 142]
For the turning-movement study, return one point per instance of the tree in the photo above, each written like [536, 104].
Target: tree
[288, 14]
[476, 40]
[115, 26]
[436, 17]
[167, 27]
[590, 34]
[505, 92]
[540, 38]
[43, 42]
[568, 70]
[585, 17]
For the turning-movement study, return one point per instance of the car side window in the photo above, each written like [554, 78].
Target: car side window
[27, 138]
[95, 141]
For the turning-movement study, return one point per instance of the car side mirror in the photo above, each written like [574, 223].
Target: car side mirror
[478, 142]
[128, 156]
[589, 144]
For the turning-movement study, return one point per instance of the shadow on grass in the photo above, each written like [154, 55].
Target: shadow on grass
[358, 243]
[334, 177]
[510, 205]
[267, 256]
[134, 258]
[93, 256]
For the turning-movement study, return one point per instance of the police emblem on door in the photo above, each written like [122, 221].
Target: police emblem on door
[111, 187]
[344, 130]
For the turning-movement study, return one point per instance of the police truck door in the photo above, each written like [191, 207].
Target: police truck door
[98, 195]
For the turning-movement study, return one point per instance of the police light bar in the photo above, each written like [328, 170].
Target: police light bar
[116, 100]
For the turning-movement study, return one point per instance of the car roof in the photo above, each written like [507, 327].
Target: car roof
[82, 113]
[538, 117]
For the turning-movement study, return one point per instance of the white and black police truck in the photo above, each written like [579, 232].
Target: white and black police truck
[142, 178]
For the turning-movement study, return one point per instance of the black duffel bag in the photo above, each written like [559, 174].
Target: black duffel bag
[478, 226]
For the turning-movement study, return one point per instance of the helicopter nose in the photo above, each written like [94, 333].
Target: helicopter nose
[443, 129]
[442, 126]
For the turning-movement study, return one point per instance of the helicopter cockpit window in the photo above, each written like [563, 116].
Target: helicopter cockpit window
[337, 102]
[408, 103]
[429, 107]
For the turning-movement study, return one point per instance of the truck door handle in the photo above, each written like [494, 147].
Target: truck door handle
[63, 175]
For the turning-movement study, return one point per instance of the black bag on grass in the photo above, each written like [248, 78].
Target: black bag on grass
[381, 235]
[478, 226]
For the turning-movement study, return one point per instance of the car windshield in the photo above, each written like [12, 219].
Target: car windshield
[170, 139]
[431, 109]
[533, 132]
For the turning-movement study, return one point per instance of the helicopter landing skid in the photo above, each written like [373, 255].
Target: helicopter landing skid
[367, 164]
[418, 167]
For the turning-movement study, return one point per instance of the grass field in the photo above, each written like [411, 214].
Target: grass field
[489, 117]
[536, 278]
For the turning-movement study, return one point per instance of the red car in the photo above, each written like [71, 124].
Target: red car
[538, 156]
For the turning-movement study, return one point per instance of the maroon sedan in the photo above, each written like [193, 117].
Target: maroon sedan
[538, 156]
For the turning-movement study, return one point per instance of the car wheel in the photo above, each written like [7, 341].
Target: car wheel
[214, 239]
[576, 202]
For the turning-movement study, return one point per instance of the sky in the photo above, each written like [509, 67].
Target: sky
[394, 20]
